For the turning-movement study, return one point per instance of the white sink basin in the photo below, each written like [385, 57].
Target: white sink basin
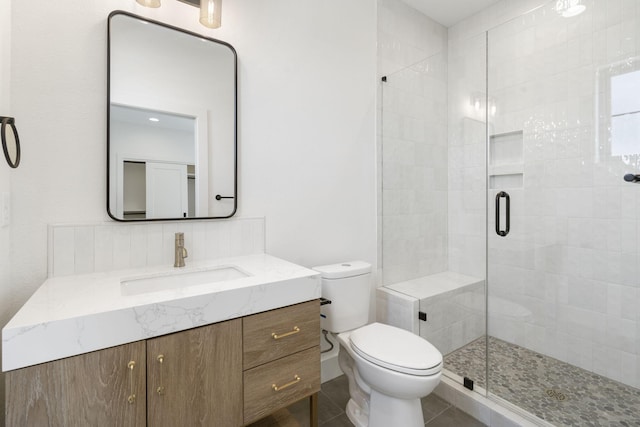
[180, 279]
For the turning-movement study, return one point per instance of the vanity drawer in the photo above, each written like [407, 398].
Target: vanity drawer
[280, 383]
[277, 333]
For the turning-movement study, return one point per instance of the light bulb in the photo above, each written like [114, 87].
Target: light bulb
[149, 3]
[211, 13]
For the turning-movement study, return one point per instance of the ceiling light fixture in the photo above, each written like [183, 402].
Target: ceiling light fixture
[211, 13]
[210, 10]
[149, 3]
[570, 8]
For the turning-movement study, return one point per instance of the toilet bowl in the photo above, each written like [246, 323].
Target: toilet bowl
[397, 369]
[389, 369]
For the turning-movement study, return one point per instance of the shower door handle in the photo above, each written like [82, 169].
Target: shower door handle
[503, 195]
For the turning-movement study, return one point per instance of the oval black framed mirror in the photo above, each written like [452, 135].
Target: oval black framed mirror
[172, 122]
[10, 141]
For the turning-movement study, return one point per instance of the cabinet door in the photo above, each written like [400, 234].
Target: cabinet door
[195, 377]
[93, 389]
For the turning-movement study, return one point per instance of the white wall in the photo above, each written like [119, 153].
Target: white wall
[5, 174]
[307, 114]
[307, 124]
[164, 144]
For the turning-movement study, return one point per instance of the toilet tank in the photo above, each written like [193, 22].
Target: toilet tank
[348, 286]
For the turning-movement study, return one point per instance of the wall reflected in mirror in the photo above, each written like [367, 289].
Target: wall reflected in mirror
[172, 122]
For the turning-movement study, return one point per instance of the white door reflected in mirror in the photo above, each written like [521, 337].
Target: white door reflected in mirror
[166, 191]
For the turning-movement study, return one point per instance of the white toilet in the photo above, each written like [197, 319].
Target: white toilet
[389, 369]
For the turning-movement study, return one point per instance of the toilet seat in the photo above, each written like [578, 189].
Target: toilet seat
[396, 349]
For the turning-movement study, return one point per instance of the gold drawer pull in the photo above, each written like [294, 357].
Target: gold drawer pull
[277, 337]
[282, 387]
[160, 389]
[132, 397]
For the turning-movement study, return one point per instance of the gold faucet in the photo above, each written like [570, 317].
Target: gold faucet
[181, 251]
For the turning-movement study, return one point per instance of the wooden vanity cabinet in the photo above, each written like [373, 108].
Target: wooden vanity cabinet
[189, 378]
[195, 377]
[102, 388]
[183, 379]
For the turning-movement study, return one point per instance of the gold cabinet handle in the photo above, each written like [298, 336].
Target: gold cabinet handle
[132, 396]
[296, 380]
[160, 389]
[277, 337]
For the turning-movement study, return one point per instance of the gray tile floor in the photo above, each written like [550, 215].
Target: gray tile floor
[334, 396]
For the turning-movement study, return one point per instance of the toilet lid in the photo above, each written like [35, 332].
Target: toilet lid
[396, 349]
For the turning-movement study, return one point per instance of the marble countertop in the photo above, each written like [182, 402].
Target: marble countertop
[73, 315]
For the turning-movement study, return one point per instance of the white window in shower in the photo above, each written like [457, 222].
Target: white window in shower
[617, 121]
[625, 114]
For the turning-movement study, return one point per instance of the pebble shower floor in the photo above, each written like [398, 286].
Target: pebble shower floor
[557, 392]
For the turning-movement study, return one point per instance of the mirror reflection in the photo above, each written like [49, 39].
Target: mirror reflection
[172, 123]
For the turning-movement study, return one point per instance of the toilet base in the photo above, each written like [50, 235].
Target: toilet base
[385, 411]
[356, 415]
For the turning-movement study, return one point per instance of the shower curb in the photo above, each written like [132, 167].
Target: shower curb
[484, 409]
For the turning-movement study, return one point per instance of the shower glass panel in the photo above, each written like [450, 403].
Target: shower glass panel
[563, 110]
[414, 170]
[417, 202]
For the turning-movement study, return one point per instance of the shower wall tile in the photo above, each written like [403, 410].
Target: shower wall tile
[405, 36]
[467, 151]
[397, 309]
[571, 261]
[454, 318]
[413, 147]
[90, 248]
[629, 366]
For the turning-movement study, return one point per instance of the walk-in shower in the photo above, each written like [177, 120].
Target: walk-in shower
[510, 208]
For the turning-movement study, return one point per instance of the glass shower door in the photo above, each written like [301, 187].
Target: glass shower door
[563, 224]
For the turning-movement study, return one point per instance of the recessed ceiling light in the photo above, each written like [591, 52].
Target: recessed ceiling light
[154, 119]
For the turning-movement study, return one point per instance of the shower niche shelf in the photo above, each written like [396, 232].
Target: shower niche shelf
[506, 160]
